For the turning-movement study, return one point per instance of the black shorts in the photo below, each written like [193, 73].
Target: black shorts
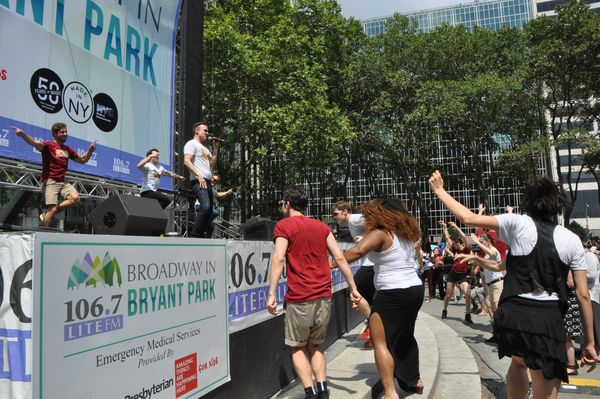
[363, 278]
[457, 278]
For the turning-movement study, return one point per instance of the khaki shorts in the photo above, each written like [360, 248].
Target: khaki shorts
[495, 291]
[52, 189]
[307, 321]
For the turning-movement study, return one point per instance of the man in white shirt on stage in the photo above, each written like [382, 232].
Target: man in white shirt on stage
[199, 160]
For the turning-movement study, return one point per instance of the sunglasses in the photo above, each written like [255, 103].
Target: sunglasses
[336, 213]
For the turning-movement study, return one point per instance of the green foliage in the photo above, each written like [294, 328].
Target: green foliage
[579, 230]
[309, 98]
[274, 76]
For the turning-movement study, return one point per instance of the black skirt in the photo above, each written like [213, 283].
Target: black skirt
[398, 309]
[534, 331]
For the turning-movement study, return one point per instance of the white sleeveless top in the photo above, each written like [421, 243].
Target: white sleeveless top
[395, 267]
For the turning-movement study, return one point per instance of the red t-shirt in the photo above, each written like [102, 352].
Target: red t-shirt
[458, 266]
[55, 159]
[308, 272]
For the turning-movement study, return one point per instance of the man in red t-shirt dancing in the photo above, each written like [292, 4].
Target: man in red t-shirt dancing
[55, 159]
[303, 243]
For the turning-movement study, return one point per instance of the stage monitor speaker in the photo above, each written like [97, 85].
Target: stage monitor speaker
[258, 228]
[123, 214]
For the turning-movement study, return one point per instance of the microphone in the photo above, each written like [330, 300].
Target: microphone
[220, 140]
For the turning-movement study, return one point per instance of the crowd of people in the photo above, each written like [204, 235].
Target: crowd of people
[534, 278]
[531, 276]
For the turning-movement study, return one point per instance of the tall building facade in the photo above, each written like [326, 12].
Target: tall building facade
[587, 206]
[489, 14]
[546, 7]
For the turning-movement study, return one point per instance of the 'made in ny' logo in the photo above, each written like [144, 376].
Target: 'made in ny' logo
[91, 272]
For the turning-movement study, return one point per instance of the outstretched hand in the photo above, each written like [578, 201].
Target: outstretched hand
[442, 222]
[93, 146]
[435, 181]
[480, 209]
[18, 131]
[465, 257]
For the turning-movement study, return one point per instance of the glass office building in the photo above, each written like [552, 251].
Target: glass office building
[489, 14]
[546, 7]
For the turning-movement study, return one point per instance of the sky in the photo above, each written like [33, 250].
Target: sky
[363, 9]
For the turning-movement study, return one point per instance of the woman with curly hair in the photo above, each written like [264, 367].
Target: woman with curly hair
[528, 324]
[390, 244]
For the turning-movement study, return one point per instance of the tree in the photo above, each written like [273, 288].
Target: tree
[563, 62]
[273, 75]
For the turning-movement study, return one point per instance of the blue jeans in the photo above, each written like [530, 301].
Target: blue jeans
[205, 197]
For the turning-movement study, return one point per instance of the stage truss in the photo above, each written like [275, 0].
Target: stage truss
[26, 176]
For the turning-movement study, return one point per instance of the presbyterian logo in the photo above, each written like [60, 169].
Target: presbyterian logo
[91, 272]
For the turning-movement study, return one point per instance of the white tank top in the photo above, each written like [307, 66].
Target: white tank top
[395, 267]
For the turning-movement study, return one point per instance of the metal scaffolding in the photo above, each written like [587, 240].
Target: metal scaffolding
[26, 176]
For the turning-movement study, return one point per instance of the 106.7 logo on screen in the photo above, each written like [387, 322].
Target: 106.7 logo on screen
[51, 96]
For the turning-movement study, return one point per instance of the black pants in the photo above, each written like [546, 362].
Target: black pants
[438, 280]
[398, 309]
[163, 199]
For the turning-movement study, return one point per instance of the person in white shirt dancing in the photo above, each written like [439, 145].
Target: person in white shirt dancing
[151, 174]
[529, 324]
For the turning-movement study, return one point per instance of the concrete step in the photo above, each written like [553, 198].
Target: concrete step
[447, 366]
[457, 373]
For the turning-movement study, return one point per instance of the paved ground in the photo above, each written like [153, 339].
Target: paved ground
[455, 362]
[493, 370]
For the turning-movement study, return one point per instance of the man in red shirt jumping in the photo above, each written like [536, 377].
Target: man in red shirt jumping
[303, 243]
[55, 159]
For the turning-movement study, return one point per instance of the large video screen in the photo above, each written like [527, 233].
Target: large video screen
[103, 67]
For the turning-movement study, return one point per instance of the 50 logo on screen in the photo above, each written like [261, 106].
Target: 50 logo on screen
[51, 96]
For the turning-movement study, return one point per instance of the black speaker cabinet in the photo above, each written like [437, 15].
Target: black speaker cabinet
[258, 228]
[123, 214]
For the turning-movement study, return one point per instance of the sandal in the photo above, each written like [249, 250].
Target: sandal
[418, 389]
[574, 367]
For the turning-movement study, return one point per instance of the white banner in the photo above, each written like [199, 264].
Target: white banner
[249, 268]
[16, 310]
[124, 316]
[147, 314]
[104, 67]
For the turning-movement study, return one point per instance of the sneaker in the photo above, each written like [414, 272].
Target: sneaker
[368, 342]
[468, 318]
[444, 314]
[366, 334]
[42, 217]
